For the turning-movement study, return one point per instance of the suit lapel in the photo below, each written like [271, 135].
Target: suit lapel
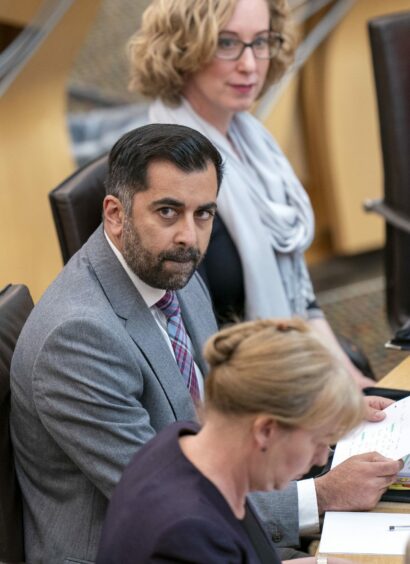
[140, 324]
[198, 318]
[146, 334]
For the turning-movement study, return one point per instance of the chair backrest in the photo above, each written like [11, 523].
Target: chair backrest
[390, 46]
[77, 205]
[15, 306]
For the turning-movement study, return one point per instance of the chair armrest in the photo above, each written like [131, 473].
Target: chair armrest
[396, 219]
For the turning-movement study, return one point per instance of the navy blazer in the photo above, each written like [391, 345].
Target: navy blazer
[165, 510]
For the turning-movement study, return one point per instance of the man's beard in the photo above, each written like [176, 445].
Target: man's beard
[151, 268]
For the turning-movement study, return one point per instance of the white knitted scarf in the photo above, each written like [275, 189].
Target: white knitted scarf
[265, 209]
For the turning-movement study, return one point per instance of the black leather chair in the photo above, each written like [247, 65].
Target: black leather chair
[15, 306]
[76, 205]
[390, 46]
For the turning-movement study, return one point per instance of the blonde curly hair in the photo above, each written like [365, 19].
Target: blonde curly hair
[177, 38]
[279, 367]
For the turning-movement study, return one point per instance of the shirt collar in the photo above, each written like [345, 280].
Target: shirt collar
[149, 294]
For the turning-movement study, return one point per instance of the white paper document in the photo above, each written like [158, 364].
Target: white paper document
[365, 533]
[390, 437]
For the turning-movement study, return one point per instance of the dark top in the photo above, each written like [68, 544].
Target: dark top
[165, 510]
[222, 272]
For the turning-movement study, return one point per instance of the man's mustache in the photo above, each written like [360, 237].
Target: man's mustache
[181, 255]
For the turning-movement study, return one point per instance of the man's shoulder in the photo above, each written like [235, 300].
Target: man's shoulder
[75, 294]
[76, 288]
[83, 284]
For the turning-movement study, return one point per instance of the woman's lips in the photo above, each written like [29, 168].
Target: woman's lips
[242, 88]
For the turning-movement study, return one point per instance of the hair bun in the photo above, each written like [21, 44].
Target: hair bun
[219, 348]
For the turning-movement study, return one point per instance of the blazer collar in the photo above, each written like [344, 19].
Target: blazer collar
[196, 321]
[141, 325]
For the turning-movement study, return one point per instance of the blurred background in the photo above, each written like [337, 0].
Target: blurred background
[64, 100]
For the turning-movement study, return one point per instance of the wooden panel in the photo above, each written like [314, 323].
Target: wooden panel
[18, 12]
[340, 109]
[398, 378]
[35, 153]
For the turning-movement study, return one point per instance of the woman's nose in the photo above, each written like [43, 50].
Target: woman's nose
[247, 60]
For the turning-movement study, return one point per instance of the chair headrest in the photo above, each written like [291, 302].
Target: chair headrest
[76, 205]
[15, 306]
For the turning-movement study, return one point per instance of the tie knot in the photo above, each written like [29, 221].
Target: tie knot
[168, 304]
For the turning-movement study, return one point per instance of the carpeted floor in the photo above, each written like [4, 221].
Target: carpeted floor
[357, 311]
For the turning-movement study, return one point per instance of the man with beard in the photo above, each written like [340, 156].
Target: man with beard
[106, 359]
[111, 354]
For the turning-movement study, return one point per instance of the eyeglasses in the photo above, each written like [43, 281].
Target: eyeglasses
[267, 45]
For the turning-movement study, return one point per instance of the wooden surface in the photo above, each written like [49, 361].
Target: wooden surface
[342, 130]
[326, 122]
[18, 12]
[398, 378]
[35, 153]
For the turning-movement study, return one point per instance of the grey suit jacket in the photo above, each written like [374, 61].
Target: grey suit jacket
[92, 380]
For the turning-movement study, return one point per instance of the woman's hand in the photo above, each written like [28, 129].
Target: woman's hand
[375, 406]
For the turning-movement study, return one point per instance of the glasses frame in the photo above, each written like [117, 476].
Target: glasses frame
[278, 37]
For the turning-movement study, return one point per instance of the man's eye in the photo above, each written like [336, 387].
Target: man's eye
[227, 43]
[167, 213]
[205, 214]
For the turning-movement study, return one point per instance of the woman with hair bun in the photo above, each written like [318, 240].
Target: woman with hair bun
[275, 399]
[204, 63]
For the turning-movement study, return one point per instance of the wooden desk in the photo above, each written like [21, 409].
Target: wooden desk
[399, 377]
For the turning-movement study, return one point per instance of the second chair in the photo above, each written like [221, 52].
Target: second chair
[77, 205]
[15, 306]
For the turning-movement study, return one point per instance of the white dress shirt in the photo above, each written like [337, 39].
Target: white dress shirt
[151, 296]
[308, 508]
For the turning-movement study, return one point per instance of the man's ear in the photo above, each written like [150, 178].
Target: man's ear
[265, 429]
[113, 212]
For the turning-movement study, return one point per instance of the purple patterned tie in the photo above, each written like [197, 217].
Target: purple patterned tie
[169, 305]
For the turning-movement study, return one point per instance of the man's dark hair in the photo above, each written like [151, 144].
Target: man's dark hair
[131, 155]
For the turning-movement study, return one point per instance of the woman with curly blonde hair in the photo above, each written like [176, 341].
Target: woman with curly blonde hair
[275, 399]
[178, 38]
[204, 63]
